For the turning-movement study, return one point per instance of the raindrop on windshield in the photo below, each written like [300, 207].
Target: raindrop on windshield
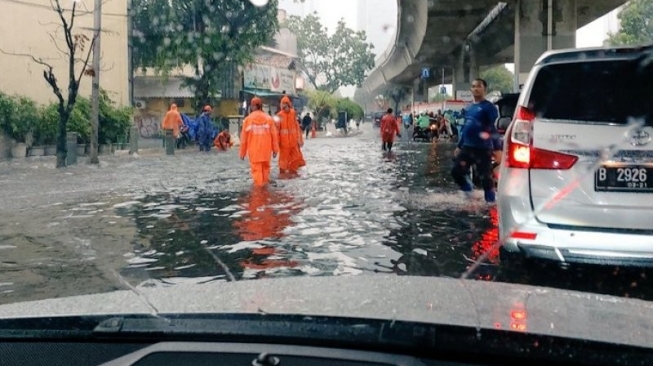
[259, 2]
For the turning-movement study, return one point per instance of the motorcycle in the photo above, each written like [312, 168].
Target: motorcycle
[423, 134]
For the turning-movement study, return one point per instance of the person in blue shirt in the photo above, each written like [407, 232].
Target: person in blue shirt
[478, 140]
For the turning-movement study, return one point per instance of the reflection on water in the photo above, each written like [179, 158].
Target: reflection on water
[357, 210]
[354, 210]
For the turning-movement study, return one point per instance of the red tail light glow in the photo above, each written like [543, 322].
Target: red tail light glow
[523, 235]
[520, 151]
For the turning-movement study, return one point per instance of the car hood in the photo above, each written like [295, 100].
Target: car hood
[448, 301]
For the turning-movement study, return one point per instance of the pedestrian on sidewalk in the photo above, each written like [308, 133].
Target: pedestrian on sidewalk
[259, 141]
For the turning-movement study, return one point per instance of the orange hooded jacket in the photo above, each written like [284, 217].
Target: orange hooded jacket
[172, 121]
[259, 138]
[290, 139]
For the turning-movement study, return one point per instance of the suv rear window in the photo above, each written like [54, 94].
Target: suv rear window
[597, 91]
[507, 105]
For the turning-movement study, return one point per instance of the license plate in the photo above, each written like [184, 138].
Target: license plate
[624, 179]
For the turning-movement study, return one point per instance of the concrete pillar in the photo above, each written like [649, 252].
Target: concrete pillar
[169, 142]
[466, 69]
[133, 140]
[542, 25]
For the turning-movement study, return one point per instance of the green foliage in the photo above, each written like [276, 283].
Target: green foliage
[21, 118]
[114, 121]
[353, 109]
[330, 62]
[18, 117]
[321, 103]
[209, 35]
[636, 26]
[498, 79]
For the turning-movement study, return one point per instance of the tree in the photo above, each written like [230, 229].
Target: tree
[77, 53]
[321, 103]
[330, 62]
[212, 36]
[498, 79]
[353, 109]
[636, 26]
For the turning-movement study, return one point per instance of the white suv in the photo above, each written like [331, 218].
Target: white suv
[576, 182]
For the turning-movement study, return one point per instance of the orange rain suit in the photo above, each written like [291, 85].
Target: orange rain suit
[172, 121]
[223, 141]
[290, 140]
[259, 139]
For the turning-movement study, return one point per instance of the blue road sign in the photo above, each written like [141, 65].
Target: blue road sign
[426, 73]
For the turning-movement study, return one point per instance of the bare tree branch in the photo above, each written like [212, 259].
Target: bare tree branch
[56, 6]
[113, 64]
[56, 45]
[37, 60]
[48, 74]
[86, 60]
[50, 23]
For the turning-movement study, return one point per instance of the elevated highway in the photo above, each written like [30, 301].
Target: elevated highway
[462, 37]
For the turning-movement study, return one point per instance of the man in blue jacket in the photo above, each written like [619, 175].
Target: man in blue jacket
[478, 141]
[205, 129]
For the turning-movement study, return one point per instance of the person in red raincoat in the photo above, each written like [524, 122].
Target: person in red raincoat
[389, 129]
[290, 139]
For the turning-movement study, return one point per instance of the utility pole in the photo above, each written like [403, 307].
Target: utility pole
[95, 92]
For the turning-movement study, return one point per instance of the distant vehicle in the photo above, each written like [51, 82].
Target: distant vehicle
[377, 119]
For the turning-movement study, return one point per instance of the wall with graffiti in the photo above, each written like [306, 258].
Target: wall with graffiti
[148, 124]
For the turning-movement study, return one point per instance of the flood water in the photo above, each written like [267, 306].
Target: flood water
[195, 218]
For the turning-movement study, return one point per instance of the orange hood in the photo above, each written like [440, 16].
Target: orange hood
[285, 99]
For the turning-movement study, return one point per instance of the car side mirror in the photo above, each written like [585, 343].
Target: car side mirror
[503, 123]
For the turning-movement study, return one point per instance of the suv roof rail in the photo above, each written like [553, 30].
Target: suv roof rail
[571, 54]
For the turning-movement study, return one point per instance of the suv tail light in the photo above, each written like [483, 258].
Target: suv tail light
[520, 151]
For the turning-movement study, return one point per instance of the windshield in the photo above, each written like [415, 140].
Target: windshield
[154, 145]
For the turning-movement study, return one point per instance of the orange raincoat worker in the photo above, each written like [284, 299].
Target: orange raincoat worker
[290, 139]
[223, 141]
[172, 121]
[389, 129]
[259, 140]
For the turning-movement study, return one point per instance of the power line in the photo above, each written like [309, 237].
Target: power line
[48, 7]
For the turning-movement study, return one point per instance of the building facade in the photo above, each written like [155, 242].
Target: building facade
[35, 27]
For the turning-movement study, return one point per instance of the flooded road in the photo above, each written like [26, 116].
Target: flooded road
[159, 221]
